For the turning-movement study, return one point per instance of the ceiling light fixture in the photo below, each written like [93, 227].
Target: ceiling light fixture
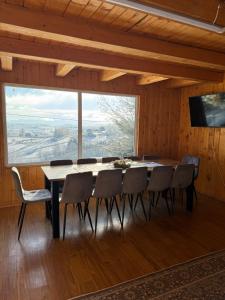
[169, 15]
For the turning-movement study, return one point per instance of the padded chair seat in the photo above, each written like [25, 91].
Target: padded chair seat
[37, 195]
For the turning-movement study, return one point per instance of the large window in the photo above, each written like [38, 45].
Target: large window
[44, 125]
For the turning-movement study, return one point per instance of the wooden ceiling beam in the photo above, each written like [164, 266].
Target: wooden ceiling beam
[149, 79]
[63, 69]
[177, 83]
[107, 75]
[69, 55]
[46, 26]
[7, 63]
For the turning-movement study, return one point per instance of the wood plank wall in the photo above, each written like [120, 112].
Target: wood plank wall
[158, 117]
[208, 143]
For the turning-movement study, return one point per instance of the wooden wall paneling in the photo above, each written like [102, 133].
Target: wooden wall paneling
[207, 143]
[154, 105]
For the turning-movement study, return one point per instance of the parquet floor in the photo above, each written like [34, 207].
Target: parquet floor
[39, 267]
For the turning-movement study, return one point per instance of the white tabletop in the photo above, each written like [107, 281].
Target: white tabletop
[57, 173]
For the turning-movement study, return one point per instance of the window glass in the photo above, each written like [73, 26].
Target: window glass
[108, 125]
[41, 124]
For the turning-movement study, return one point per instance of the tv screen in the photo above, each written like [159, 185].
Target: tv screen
[207, 110]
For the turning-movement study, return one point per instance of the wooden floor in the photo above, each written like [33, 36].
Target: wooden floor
[39, 267]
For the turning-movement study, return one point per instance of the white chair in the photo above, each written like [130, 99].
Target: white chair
[77, 189]
[182, 178]
[151, 157]
[27, 197]
[82, 161]
[195, 160]
[108, 186]
[159, 185]
[134, 184]
[109, 159]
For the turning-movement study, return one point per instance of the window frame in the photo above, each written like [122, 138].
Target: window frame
[79, 116]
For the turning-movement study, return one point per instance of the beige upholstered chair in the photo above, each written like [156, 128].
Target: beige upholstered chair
[109, 159]
[182, 178]
[82, 161]
[190, 159]
[133, 157]
[134, 184]
[61, 162]
[151, 157]
[108, 186]
[77, 189]
[159, 184]
[27, 197]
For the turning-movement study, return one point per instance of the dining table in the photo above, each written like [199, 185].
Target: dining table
[54, 175]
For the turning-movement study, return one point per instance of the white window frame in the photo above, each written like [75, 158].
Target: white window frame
[79, 92]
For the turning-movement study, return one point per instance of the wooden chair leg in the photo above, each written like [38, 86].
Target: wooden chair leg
[64, 221]
[96, 214]
[21, 220]
[21, 208]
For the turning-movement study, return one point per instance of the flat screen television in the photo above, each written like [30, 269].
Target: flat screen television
[207, 110]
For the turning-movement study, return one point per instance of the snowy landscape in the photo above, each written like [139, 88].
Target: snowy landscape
[42, 125]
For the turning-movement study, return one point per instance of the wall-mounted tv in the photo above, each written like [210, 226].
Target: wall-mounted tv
[207, 110]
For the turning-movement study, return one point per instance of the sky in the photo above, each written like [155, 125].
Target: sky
[54, 103]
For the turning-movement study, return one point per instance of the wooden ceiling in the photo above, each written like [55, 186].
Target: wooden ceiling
[115, 39]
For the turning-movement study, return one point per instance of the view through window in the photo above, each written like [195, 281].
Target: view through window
[42, 125]
[108, 125]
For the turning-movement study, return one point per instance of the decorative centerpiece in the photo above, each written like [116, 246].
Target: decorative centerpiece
[122, 163]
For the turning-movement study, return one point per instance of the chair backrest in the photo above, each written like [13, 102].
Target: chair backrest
[160, 179]
[133, 157]
[135, 180]
[183, 176]
[108, 183]
[82, 161]
[194, 160]
[109, 159]
[18, 183]
[77, 187]
[150, 157]
[61, 162]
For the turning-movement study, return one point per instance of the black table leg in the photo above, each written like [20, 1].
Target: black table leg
[55, 209]
[47, 206]
[190, 194]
